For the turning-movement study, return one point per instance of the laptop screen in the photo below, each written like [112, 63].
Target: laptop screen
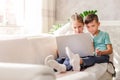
[81, 44]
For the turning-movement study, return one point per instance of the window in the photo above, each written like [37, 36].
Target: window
[24, 17]
[11, 13]
[20, 17]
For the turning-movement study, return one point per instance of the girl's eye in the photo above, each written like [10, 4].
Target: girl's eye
[74, 27]
[79, 26]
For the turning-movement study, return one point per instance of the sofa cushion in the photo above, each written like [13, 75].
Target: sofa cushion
[79, 76]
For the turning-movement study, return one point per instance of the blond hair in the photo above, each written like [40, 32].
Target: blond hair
[76, 17]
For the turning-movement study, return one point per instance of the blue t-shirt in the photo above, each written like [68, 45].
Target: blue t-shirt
[101, 40]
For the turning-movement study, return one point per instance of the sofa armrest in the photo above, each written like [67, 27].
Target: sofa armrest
[13, 71]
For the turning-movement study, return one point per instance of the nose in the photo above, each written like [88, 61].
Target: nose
[77, 30]
[91, 30]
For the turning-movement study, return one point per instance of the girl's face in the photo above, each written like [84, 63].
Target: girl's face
[77, 27]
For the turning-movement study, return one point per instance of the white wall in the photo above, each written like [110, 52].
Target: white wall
[107, 9]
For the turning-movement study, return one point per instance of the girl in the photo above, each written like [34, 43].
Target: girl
[66, 64]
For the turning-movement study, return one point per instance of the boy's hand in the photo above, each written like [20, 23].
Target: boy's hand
[99, 53]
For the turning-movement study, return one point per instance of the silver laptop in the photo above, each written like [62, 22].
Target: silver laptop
[81, 44]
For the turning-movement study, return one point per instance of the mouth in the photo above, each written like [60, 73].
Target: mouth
[93, 32]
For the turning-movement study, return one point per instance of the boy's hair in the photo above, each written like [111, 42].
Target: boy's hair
[90, 18]
[76, 17]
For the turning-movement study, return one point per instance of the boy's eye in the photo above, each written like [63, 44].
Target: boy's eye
[93, 25]
[79, 26]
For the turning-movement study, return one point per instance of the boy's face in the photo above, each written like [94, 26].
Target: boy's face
[93, 27]
[77, 27]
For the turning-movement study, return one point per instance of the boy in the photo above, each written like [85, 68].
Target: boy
[101, 41]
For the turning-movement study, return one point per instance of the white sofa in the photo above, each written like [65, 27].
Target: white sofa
[22, 58]
[29, 54]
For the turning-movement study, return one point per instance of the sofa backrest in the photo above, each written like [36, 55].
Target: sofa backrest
[43, 46]
[16, 51]
[32, 50]
[114, 32]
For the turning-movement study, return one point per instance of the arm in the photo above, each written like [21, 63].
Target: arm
[109, 50]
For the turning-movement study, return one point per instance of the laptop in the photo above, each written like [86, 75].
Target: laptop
[81, 44]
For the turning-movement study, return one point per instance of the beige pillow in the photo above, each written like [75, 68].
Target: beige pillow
[66, 29]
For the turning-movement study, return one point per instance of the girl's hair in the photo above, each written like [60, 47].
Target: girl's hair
[76, 17]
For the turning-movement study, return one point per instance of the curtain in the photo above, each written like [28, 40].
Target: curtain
[39, 15]
[35, 16]
[48, 14]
